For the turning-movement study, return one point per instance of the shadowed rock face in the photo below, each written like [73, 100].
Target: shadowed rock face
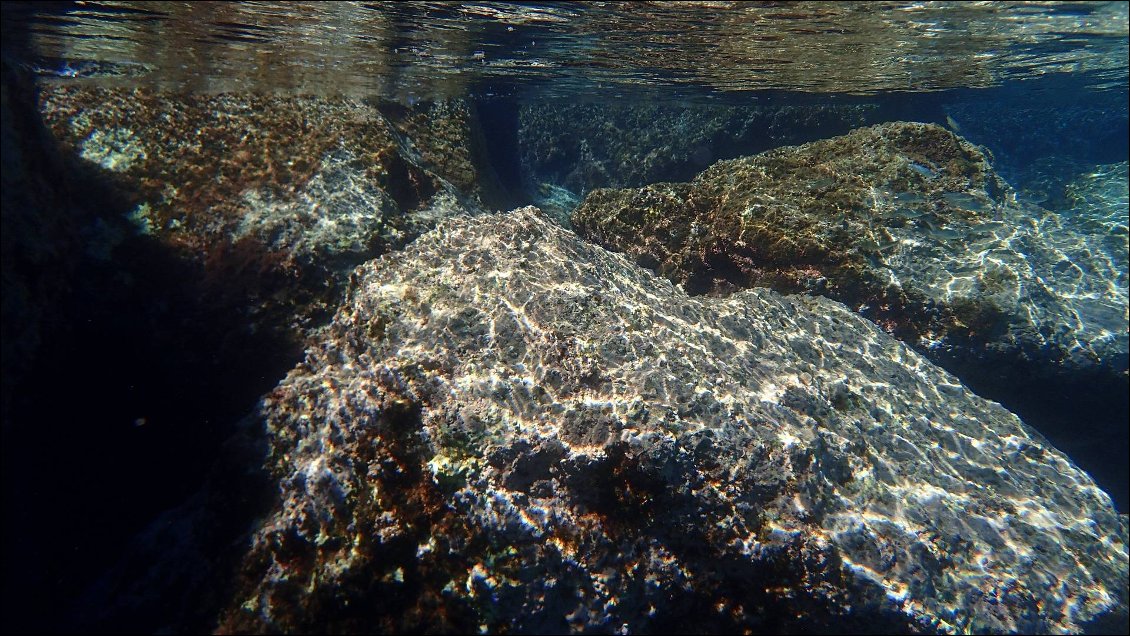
[164, 257]
[567, 150]
[909, 224]
[506, 428]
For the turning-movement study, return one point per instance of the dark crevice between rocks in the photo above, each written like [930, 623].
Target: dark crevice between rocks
[145, 361]
[178, 572]
[497, 141]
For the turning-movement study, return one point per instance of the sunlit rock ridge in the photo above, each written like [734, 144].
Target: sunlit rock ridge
[506, 428]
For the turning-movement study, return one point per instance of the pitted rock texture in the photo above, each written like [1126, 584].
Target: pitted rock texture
[277, 197]
[507, 429]
[906, 222]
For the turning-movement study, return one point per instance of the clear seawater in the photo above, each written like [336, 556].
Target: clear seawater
[1041, 85]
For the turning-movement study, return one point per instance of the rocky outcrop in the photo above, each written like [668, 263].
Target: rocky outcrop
[909, 224]
[277, 197]
[506, 428]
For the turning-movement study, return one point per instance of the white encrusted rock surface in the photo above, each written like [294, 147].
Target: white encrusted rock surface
[909, 224]
[508, 429]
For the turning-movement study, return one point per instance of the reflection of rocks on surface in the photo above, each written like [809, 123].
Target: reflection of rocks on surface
[906, 222]
[276, 196]
[507, 427]
[577, 148]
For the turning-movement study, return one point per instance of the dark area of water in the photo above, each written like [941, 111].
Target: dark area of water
[143, 369]
[498, 119]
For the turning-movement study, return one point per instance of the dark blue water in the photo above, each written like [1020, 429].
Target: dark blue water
[1043, 88]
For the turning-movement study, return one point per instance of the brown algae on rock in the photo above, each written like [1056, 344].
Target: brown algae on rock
[905, 209]
[539, 436]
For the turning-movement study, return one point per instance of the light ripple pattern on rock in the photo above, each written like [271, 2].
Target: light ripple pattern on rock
[508, 429]
[909, 224]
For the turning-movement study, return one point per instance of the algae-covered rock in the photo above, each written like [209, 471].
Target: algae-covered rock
[278, 197]
[906, 222]
[507, 429]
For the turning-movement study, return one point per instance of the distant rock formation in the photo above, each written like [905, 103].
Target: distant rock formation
[566, 150]
[907, 223]
[1022, 136]
[508, 429]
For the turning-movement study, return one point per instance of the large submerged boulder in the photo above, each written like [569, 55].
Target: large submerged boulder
[907, 223]
[506, 428]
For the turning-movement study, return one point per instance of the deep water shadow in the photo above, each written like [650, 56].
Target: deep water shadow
[130, 370]
[1086, 419]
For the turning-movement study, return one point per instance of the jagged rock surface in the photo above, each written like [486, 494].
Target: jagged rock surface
[508, 429]
[906, 222]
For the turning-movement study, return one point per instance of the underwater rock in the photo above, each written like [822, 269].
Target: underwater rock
[569, 149]
[41, 243]
[445, 136]
[909, 224]
[1098, 199]
[508, 429]
[278, 197]
[1020, 136]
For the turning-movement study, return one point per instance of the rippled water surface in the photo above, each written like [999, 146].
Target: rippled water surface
[413, 49]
